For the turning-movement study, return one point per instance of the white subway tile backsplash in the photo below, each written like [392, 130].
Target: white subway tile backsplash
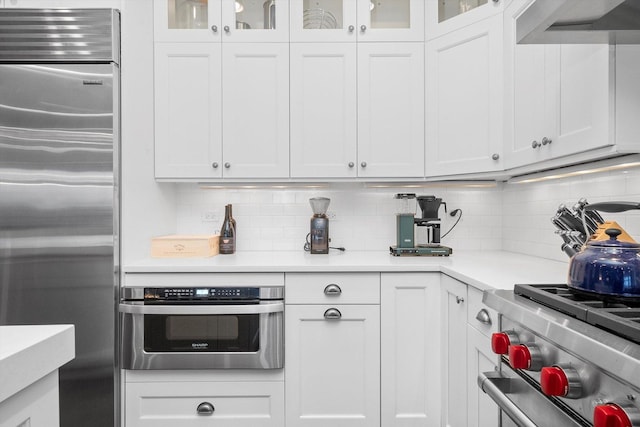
[511, 217]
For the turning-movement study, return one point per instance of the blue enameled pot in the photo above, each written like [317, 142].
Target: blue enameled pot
[607, 267]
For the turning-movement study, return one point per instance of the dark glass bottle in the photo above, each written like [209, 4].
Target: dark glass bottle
[235, 228]
[227, 233]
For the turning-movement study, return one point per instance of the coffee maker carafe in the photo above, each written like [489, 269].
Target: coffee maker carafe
[319, 233]
[430, 205]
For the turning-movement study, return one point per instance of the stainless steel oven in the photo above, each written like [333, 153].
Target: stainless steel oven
[202, 327]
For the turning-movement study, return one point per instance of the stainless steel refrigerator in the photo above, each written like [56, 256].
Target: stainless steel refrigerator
[59, 192]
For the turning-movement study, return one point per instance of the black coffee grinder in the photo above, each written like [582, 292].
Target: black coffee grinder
[319, 225]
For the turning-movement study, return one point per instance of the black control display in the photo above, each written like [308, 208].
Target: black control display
[200, 294]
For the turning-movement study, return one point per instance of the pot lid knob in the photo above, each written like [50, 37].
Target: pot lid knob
[613, 233]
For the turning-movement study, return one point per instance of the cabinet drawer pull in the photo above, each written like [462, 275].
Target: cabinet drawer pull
[546, 141]
[483, 317]
[535, 144]
[363, 28]
[495, 156]
[459, 300]
[205, 408]
[214, 28]
[351, 28]
[227, 165]
[332, 290]
[214, 165]
[226, 29]
[363, 164]
[351, 164]
[332, 314]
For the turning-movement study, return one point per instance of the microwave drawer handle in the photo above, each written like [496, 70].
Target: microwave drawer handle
[270, 307]
[497, 387]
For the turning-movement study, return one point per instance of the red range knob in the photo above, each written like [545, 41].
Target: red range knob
[553, 381]
[523, 356]
[500, 341]
[560, 381]
[610, 415]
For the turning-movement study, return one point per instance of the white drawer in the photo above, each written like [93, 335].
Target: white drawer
[171, 404]
[476, 310]
[332, 288]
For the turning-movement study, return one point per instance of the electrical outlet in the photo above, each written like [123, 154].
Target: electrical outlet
[210, 217]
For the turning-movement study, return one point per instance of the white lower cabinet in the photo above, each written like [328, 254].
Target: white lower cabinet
[481, 410]
[220, 404]
[332, 354]
[466, 328]
[410, 395]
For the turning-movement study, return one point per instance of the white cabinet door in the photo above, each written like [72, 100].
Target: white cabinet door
[390, 110]
[453, 304]
[558, 97]
[465, 100]
[255, 116]
[188, 116]
[323, 110]
[482, 410]
[200, 404]
[332, 373]
[410, 337]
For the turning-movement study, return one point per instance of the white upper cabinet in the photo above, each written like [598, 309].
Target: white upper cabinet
[558, 99]
[391, 110]
[361, 20]
[444, 16]
[323, 119]
[464, 99]
[221, 20]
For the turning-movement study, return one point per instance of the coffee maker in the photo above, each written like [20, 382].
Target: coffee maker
[428, 226]
[319, 226]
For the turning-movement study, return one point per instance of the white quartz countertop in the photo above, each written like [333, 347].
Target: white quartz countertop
[483, 270]
[29, 352]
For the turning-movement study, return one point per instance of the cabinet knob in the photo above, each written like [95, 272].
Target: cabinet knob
[483, 317]
[332, 314]
[495, 156]
[226, 29]
[205, 408]
[363, 28]
[459, 300]
[227, 165]
[351, 164]
[363, 164]
[332, 290]
[535, 144]
[351, 28]
[214, 28]
[546, 141]
[214, 165]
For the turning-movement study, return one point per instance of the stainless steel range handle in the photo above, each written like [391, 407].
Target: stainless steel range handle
[266, 307]
[497, 387]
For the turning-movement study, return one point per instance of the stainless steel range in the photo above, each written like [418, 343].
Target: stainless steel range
[567, 359]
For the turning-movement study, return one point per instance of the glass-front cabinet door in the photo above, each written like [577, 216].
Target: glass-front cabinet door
[221, 20]
[362, 20]
[444, 16]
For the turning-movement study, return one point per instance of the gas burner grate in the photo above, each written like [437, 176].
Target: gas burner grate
[619, 317]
